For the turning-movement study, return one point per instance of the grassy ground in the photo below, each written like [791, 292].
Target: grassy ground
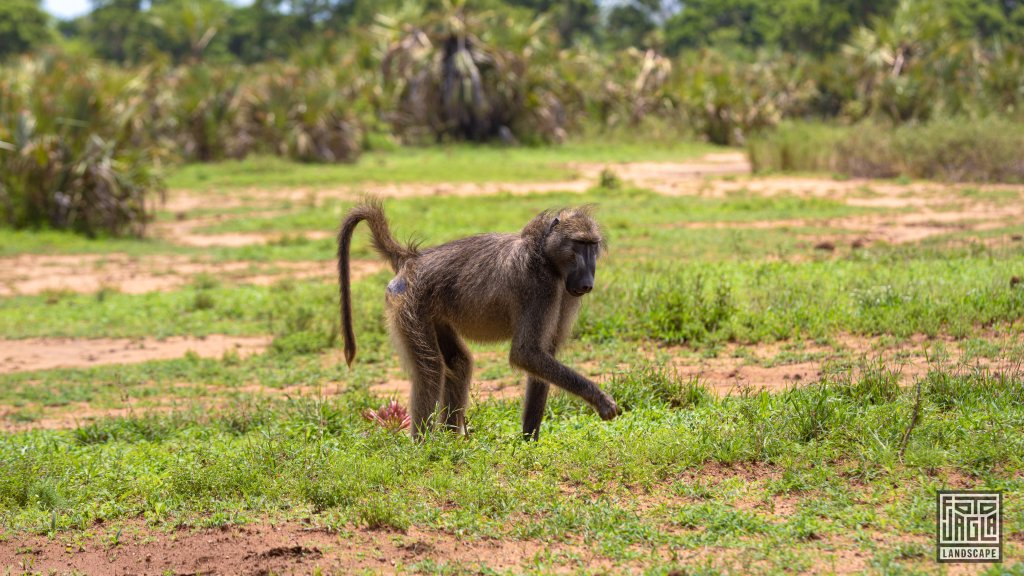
[815, 476]
[456, 163]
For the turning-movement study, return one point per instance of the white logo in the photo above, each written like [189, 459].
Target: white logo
[969, 526]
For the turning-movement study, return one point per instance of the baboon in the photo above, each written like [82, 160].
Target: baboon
[523, 287]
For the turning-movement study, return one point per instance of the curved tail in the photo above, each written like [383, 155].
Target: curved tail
[384, 243]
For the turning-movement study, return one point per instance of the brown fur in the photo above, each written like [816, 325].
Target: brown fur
[489, 287]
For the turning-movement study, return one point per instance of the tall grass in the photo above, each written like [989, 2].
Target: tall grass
[956, 150]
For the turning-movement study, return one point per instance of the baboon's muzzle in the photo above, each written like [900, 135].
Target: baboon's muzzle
[581, 280]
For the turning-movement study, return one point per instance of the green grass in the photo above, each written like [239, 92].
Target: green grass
[319, 457]
[457, 163]
[685, 479]
[15, 242]
[621, 212]
[702, 302]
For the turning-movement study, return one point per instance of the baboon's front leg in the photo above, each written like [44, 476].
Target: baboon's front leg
[459, 373]
[540, 363]
[533, 406]
[530, 356]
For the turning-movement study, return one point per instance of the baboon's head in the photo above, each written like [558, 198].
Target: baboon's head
[573, 242]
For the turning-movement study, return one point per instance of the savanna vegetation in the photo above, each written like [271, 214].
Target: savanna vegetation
[804, 354]
[179, 81]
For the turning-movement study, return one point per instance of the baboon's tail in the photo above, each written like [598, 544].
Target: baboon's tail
[384, 243]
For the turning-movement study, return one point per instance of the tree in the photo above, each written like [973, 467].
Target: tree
[987, 18]
[262, 31]
[189, 29]
[706, 22]
[817, 26]
[630, 23]
[572, 18]
[23, 26]
[118, 30]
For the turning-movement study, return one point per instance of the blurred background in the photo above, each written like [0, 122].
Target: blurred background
[865, 88]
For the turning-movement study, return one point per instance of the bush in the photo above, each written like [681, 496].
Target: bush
[726, 100]
[795, 146]
[303, 114]
[73, 153]
[478, 77]
[955, 150]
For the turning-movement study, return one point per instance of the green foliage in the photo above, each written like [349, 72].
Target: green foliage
[725, 100]
[73, 152]
[817, 26]
[683, 309]
[456, 74]
[984, 150]
[320, 456]
[305, 114]
[484, 71]
[24, 27]
[646, 387]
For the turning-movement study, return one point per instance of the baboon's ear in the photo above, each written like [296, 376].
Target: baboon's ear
[553, 224]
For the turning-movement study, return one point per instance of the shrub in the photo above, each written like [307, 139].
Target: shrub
[726, 100]
[687, 314]
[652, 386]
[73, 153]
[478, 77]
[304, 114]
[956, 150]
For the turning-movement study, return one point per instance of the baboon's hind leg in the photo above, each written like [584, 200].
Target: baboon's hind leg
[459, 373]
[418, 347]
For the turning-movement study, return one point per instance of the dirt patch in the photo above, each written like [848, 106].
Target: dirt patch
[277, 549]
[301, 547]
[717, 175]
[48, 353]
[75, 416]
[673, 178]
[776, 367]
[88, 273]
[185, 232]
[772, 367]
[659, 176]
[891, 228]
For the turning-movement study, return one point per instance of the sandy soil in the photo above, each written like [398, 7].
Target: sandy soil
[87, 273]
[661, 176]
[894, 228]
[712, 175]
[774, 367]
[299, 547]
[185, 233]
[286, 548]
[925, 207]
[48, 353]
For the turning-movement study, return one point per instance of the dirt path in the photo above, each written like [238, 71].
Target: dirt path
[774, 367]
[303, 547]
[49, 353]
[660, 176]
[897, 228]
[184, 232]
[715, 175]
[87, 273]
[285, 548]
[299, 548]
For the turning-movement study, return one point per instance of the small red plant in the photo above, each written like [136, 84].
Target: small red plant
[391, 416]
